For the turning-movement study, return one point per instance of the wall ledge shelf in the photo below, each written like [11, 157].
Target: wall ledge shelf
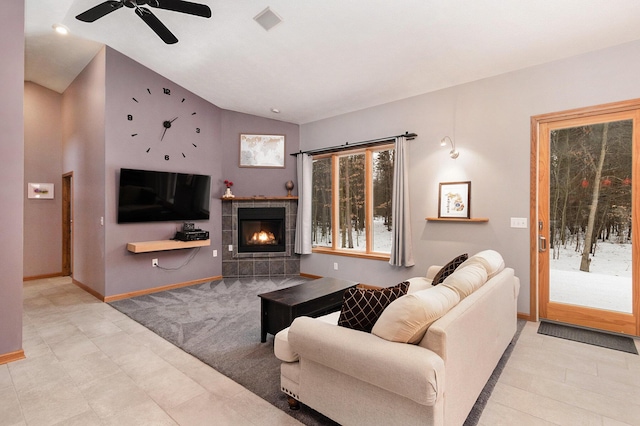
[162, 245]
[453, 219]
[259, 198]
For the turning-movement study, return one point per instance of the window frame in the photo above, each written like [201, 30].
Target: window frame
[335, 203]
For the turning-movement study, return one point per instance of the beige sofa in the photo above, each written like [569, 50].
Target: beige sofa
[357, 378]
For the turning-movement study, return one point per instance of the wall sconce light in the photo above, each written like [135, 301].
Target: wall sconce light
[453, 153]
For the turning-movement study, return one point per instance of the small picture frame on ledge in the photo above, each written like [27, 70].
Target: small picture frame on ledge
[454, 200]
[266, 151]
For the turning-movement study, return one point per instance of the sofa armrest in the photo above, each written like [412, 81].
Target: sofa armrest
[407, 370]
[432, 271]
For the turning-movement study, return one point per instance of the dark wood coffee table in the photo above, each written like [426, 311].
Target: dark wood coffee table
[318, 297]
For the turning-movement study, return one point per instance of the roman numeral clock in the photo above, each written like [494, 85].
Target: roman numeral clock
[163, 123]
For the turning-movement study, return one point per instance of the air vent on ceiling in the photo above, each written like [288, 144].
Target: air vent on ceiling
[267, 19]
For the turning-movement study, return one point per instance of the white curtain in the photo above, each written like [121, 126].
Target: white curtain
[401, 246]
[303, 221]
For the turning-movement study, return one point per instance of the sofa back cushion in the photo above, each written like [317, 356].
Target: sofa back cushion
[406, 319]
[490, 260]
[466, 279]
[361, 307]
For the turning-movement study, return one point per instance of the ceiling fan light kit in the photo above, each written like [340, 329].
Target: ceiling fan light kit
[104, 8]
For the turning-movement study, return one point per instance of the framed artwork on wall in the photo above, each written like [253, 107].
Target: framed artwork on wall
[454, 200]
[43, 191]
[262, 151]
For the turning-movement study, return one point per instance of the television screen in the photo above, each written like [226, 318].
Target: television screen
[151, 196]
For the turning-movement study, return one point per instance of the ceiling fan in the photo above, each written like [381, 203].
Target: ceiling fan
[146, 15]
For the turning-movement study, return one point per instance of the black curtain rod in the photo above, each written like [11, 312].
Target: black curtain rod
[348, 145]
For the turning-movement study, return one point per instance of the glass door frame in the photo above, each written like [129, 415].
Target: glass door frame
[540, 305]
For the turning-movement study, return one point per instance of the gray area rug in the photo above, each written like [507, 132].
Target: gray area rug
[591, 337]
[219, 323]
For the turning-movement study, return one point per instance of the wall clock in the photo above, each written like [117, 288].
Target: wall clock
[163, 123]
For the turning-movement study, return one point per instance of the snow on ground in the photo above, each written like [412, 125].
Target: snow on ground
[382, 238]
[607, 285]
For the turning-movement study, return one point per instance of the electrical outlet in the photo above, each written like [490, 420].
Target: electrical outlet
[215, 253]
[154, 263]
[230, 247]
[335, 266]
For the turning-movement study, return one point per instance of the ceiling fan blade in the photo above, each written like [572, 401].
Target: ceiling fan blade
[154, 23]
[182, 6]
[99, 11]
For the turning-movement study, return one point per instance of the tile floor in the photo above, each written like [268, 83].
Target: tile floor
[88, 364]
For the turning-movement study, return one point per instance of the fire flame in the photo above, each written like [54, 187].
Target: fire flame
[263, 237]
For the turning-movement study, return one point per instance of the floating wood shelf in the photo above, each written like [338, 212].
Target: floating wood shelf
[162, 245]
[258, 198]
[452, 219]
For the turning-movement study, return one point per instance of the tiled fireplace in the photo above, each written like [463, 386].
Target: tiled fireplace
[261, 232]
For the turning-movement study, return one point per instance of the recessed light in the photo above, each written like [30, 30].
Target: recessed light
[275, 110]
[60, 29]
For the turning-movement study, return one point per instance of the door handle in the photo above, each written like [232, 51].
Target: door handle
[542, 244]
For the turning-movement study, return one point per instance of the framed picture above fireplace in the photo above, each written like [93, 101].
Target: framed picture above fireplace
[262, 151]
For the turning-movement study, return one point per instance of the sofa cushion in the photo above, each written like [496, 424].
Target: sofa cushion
[406, 319]
[418, 283]
[490, 260]
[466, 279]
[362, 307]
[449, 268]
[282, 348]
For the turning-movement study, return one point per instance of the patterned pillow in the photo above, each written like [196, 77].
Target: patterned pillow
[361, 308]
[449, 268]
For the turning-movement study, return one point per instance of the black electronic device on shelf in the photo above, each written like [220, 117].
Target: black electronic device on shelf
[192, 235]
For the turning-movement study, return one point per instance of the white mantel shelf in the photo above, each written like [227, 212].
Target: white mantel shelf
[162, 245]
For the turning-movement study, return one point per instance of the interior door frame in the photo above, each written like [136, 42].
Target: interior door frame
[67, 224]
[617, 322]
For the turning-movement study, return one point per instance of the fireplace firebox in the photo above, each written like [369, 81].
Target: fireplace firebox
[261, 229]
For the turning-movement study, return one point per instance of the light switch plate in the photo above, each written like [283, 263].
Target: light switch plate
[518, 222]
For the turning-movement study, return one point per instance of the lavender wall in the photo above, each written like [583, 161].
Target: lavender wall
[125, 79]
[12, 189]
[216, 155]
[96, 143]
[42, 163]
[249, 181]
[83, 105]
[489, 120]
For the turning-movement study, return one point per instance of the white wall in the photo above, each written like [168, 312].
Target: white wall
[490, 121]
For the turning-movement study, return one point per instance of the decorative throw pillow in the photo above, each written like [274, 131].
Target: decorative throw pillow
[361, 308]
[449, 268]
[407, 319]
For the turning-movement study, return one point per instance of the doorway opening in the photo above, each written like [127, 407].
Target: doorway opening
[67, 224]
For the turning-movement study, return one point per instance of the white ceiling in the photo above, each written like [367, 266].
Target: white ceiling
[327, 57]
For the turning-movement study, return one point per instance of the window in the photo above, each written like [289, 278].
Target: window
[352, 201]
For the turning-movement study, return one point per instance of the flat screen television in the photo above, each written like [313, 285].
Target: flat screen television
[152, 196]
